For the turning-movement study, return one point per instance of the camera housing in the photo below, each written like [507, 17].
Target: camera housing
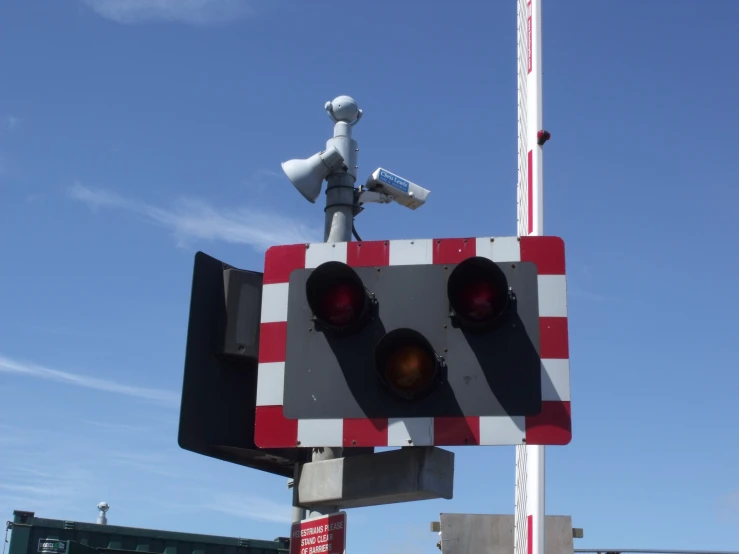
[401, 190]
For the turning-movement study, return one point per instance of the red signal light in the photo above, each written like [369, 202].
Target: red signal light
[337, 297]
[407, 364]
[478, 292]
[478, 300]
[341, 305]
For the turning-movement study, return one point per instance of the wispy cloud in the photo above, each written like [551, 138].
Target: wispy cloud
[260, 179]
[160, 465]
[64, 330]
[56, 486]
[11, 122]
[579, 292]
[582, 284]
[11, 435]
[25, 489]
[192, 12]
[149, 426]
[165, 397]
[217, 499]
[260, 509]
[190, 218]
[47, 490]
[53, 485]
[62, 470]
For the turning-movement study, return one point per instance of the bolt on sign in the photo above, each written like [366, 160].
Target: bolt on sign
[319, 535]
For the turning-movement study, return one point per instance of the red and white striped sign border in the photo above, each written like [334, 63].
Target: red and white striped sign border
[551, 426]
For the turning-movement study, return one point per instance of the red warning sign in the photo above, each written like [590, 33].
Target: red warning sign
[319, 535]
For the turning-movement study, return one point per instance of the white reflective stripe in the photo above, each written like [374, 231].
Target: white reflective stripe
[418, 430]
[274, 302]
[502, 430]
[555, 380]
[410, 252]
[321, 432]
[270, 384]
[552, 296]
[322, 252]
[502, 249]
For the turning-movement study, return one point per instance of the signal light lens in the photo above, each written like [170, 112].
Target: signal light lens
[337, 296]
[478, 292]
[478, 300]
[407, 364]
[341, 305]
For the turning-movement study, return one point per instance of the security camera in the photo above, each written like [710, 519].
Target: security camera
[401, 190]
[103, 507]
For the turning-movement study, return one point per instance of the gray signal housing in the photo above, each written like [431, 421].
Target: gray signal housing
[493, 373]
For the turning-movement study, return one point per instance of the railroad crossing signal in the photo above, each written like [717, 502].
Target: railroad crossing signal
[424, 342]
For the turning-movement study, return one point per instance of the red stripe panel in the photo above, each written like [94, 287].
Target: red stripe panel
[530, 188]
[553, 425]
[272, 342]
[530, 534]
[548, 253]
[280, 261]
[553, 338]
[456, 430]
[453, 251]
[273, 430]
[372, 253]
[365, 432]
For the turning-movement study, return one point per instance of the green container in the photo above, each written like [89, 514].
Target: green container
[35, 535]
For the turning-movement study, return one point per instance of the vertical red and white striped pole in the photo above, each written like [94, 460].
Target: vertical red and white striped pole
[530, 475]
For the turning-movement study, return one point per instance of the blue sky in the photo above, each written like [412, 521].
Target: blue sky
[136, 133]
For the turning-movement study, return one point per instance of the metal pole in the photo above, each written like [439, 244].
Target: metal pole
[530, 460]
[340, 195]
[339, 213]
[521, 520]
[536, 456]
[299, 513]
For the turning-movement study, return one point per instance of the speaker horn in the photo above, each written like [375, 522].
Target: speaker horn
[307, 175]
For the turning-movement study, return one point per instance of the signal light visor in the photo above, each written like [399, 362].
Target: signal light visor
[337, 297]
[478, 292]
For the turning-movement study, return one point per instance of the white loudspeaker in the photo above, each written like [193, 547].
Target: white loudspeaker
[307, 175]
